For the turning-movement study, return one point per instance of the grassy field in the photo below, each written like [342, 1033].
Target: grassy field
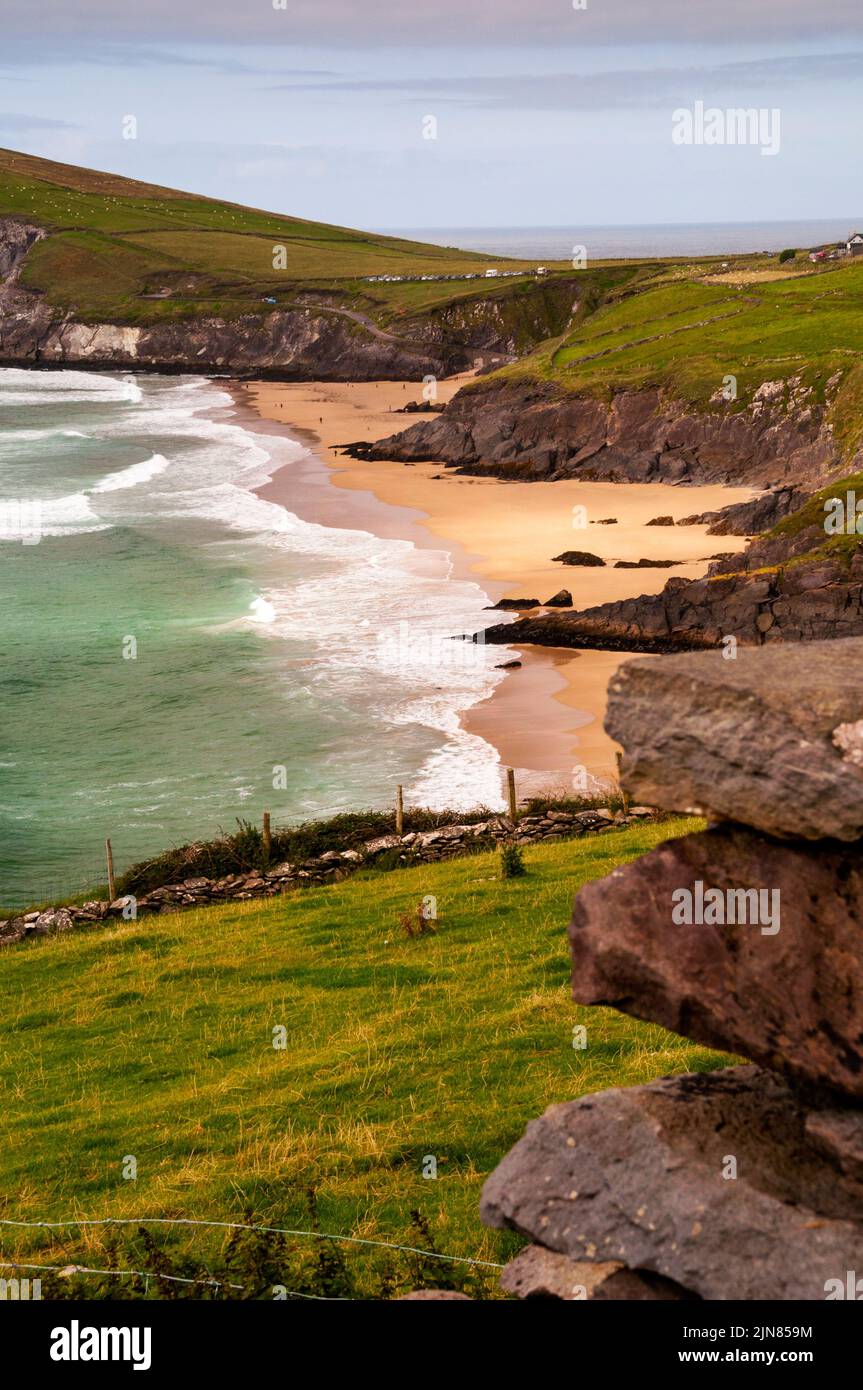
[154, 1040]
[113, 243]
[686, 329]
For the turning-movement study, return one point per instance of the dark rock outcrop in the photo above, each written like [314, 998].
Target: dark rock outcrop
[17, 235]
[802, 602]
[777, 978]
[750, 518]
[773, 738]
[562, 599]
[642, 1177]
[528, 429]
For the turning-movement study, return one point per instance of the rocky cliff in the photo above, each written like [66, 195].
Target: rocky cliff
[527, 429]
[805, 602]
[796, 583]
[316, 338]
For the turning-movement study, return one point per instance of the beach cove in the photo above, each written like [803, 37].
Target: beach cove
[545, 718]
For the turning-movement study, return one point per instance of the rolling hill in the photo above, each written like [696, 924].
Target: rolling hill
[87, 249]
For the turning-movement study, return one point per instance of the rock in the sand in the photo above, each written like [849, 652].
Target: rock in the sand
[606, 521]
[770, 739]
[577, 557]
[661, 521]
[507, 665]
[512, 603]
[777, 978]
[562, 599]
[646, 564]
[539, 1273]
[707, 1180]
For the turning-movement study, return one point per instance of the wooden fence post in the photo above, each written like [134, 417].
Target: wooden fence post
[510, 787]
[266, 837]
[624, 798]
[400, 812]
[112, 887]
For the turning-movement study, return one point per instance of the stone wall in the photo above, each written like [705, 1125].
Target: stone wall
[744, 1182]
[419, 847]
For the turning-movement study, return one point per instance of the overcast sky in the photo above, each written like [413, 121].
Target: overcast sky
[545, 114]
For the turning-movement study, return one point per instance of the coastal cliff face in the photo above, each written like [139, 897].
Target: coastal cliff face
[526, 429]
[16, 238]
[783, 588]
[819, 600]
[307, 341]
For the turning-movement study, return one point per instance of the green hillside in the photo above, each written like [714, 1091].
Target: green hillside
[688, 326]
[125, 251]
[154, 1040]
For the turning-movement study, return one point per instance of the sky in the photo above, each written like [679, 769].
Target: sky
[548, 113]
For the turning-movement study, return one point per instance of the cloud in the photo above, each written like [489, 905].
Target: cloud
[30, 52]
[622, 89]
[376, 23]
[15, 121]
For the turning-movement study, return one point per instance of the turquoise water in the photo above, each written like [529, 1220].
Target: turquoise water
[170, 641]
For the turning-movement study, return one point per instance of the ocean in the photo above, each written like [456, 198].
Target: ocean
[673, 239]
[178, 653]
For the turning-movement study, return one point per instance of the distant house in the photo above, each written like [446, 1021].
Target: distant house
[490, 273]
[854, 244]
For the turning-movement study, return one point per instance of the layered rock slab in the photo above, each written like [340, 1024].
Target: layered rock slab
[772, 738]
[778, 978]
[539, 1273]
[638, 1177]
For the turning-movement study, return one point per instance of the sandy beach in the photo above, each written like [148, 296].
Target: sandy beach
[545, 718]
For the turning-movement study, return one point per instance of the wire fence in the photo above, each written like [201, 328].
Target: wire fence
[148, 1274]
[105, 1221]
[280, 1291]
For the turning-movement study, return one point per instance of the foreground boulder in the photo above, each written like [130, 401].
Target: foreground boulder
[539, 1273]
[708, 1181]
[773, 738]
[739, 942]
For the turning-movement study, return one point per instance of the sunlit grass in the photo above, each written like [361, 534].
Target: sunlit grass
[155, 1039]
